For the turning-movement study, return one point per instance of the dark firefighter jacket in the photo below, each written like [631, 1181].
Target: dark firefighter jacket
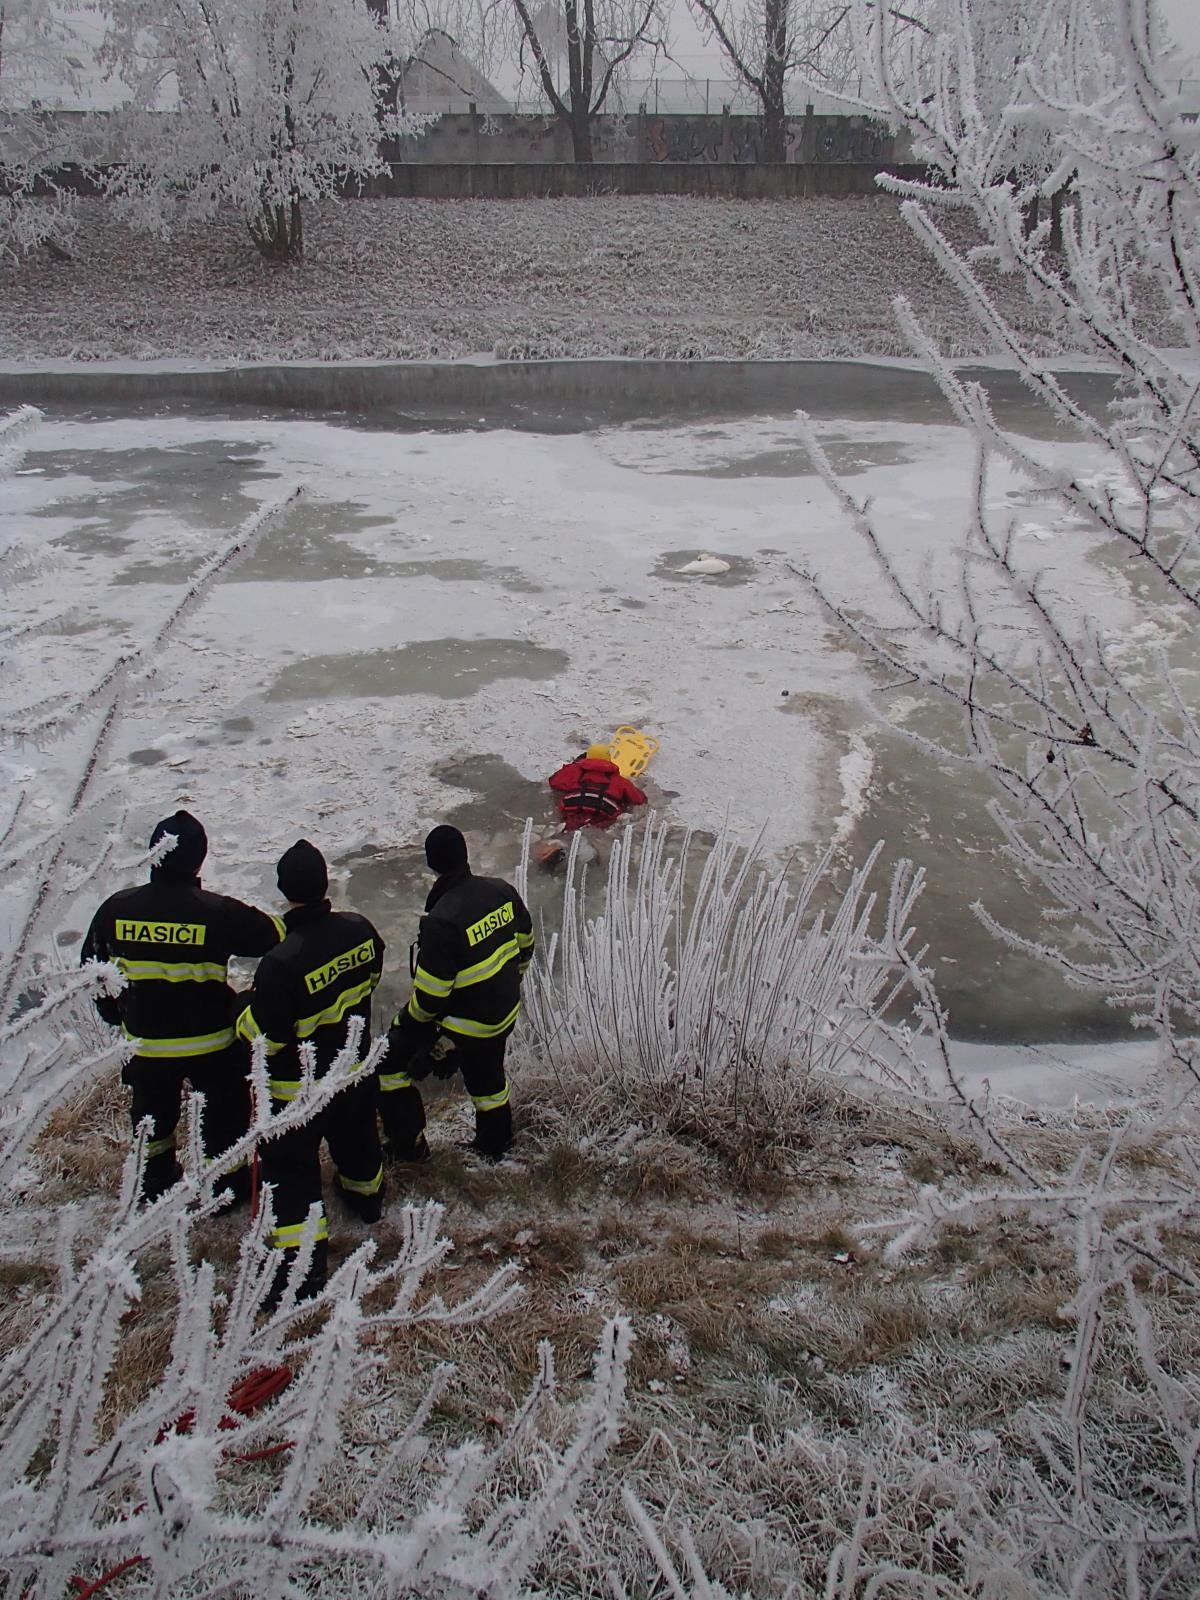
[308, 988]
[475, 941]
[593, 792]
[173, 942]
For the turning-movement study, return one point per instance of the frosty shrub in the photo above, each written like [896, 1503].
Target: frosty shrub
[710, 995]
[35, 58]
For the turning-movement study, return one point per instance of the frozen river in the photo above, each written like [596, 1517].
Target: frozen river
[463, 599]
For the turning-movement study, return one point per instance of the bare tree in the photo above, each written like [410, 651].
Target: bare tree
[768, 42]
[596, 38]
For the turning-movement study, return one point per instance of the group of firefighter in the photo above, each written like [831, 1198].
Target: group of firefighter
[172, 941]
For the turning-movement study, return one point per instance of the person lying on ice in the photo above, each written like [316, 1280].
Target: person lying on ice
[592, 792]
[474, 944]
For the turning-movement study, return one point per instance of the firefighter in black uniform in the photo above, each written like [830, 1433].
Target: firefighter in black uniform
[474, 944]
[305, 991]
[173, 940]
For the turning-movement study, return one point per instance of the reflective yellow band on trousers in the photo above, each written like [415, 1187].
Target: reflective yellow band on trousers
[171, 971]
[205, 1044]
[280, 927]
[491, 1102]
[471, 1029]
[307, 1026]
[371, 1186]
[159, 1147]
[291, 1235]
[395, 1080]
[284, 1088]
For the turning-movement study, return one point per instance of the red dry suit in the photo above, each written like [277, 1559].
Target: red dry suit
[592, 793]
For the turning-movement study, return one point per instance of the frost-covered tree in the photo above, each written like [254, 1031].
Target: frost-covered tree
[594, 40]
[258, 104]
[35, 62]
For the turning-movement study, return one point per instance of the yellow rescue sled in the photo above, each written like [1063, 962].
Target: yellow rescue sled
[631, 750]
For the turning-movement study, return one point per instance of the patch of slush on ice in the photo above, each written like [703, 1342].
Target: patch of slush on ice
[854, 772]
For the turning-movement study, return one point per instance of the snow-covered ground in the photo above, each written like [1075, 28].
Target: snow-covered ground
[634, 275]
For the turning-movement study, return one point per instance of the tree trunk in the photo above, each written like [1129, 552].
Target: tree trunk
[278, 231]
[774, 127]
[775, 57]
[581, 134]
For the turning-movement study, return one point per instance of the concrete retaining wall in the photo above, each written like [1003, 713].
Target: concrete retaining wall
[539, 396]
[527, 180]
[672, 138]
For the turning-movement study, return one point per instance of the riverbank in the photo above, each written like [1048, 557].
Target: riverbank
[644, 276]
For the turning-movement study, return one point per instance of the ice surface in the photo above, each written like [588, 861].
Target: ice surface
[551, 557]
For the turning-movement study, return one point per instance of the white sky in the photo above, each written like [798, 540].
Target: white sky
[1183, 19]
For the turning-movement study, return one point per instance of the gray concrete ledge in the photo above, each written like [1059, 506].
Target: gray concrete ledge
[539, 396]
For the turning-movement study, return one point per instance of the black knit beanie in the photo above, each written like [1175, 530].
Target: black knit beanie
[303, 876]
[445, 849]
[186, 857]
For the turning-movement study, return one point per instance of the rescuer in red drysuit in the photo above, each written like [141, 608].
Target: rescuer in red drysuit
[592, 793]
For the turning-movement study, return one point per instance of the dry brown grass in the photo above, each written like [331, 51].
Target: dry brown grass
[86, 1139]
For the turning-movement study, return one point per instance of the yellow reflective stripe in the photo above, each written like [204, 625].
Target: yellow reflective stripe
[280, 926]
[172, 971]
[204, 1044]
[395, 1080]
[440, 987]
[291, 1235]
[159, 1147]
[307, 1026]
[418, 1012]
[489, 966]
[284, 1088]
[491, 1102]
[525, 940]
[481, 1030]
[372, 1186]
[249, 1030]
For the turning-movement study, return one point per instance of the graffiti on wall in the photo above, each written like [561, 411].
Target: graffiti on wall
[852, 139]
[683, 139]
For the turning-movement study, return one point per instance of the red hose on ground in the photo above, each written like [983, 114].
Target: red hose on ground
[85, 1588]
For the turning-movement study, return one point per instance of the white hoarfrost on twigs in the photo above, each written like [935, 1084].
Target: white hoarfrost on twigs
[706, 993]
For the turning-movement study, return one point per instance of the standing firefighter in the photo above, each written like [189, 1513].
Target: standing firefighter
[475, 942]
[592, 792]
[305, 992]
[173, 940]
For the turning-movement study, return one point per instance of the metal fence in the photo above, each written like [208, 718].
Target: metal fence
[708, 96]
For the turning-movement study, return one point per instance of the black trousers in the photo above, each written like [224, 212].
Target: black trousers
[292, 1165]
[157, 1087]
[481, 1062]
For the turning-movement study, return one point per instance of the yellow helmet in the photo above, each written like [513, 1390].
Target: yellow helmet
[599, 752]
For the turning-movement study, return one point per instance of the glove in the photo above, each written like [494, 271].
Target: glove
[409, 1044]
[436, 1058]
[442, 1056]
